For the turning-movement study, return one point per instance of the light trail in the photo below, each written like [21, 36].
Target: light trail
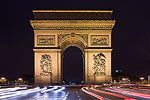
[92, 94]
[11, 91]
[61, 89]
[113, 94]
[142, 95]
[14, 93]
[65, 98]
[23, 92]
[48, 90]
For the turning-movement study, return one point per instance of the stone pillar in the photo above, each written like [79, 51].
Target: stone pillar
[54, 75]
[97, 66]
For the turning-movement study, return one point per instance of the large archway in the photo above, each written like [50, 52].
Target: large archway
[73, 65]
[57, 30]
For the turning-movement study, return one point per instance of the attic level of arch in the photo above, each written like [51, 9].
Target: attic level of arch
[72, 14]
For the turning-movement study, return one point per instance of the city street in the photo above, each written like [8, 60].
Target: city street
[69, 93]
[72, 93]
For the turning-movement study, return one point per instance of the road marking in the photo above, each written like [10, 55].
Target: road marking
[78, 95]
[65, 98]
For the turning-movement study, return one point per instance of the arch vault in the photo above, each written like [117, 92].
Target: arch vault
[56, 30]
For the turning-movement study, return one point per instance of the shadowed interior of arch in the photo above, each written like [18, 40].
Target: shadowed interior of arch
[72, 65]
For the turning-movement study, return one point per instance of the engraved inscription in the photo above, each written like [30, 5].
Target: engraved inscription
[99, 39]
[46, 40]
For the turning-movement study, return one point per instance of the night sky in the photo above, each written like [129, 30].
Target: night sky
[130, 35]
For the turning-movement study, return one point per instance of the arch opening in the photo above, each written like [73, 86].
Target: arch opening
[73, 65]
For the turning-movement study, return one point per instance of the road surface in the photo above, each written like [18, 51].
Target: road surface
[72, 93]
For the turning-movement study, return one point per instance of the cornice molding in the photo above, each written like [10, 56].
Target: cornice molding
[46, 50]
[72, 24]
[72, 11]
[98, 50]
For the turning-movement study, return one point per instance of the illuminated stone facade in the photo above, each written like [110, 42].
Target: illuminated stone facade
[55, 30]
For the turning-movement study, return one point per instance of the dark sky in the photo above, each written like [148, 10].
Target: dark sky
[130, 36]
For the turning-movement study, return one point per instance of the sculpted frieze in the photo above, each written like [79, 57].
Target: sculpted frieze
[46, 64]
[102, 40]
[83, 36]
[45, 40]
[99, 66]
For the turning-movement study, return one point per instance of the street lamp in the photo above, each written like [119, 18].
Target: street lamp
[141, 78]
[3, 80]
[20, 79]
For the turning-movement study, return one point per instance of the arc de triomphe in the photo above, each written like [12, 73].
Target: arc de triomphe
[56, 30]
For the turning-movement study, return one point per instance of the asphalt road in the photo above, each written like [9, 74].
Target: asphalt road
[70, 93]
[122, 93]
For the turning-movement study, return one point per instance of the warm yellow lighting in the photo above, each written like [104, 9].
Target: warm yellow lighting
[141, 78]
[123, 79]
[3, 78]
[20, 79]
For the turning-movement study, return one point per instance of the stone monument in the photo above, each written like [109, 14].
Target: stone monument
[56, 30]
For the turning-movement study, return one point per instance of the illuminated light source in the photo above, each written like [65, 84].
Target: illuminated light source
[3, 78]
[142, 95]
[123, 79]
[11, 90]
[113, 94]
[117, 71]
[16, 93]
[90, 93]
[61, 89]
[141, 78]
[48, 90]
[20, 79]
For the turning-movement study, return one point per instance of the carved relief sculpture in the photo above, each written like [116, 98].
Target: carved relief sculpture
[46, 64]
[101, 40]
[83, 36]
[45, 40]
[99, 64]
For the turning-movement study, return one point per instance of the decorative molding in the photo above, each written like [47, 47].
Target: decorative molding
[47, 50]
[73, 31]
[98, 50]
[83, 36]
[72, 24]
[61, 36]
[72, 11]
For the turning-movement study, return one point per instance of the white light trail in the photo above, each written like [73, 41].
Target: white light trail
[61, 89]
[11, 91]
[48, 90]
[23, 92]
